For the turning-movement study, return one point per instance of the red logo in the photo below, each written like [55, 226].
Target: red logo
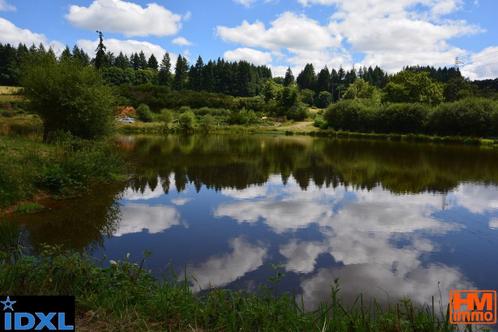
[473, 307]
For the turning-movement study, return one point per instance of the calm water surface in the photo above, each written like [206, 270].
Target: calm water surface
[387, 219]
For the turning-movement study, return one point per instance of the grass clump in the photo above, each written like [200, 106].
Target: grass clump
[28, 208]
[68, 165]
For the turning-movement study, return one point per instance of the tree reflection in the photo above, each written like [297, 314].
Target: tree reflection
[237, 162]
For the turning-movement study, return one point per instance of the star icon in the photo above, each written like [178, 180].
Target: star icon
[7, 304]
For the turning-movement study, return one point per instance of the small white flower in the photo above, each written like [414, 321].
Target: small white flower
[113, 262]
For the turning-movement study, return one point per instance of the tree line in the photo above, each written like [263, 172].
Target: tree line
[220, 76]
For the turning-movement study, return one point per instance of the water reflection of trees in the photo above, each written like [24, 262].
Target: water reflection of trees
[236, 162]
[76, 223]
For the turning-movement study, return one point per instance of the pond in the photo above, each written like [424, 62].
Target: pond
[387, 220]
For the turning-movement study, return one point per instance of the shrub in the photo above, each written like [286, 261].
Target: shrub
[320, 122]
[324, 99]
[243, 117]
[207, 123]
[401, 118]
[350, 115]
[166, 116]
[468, 117]
[297, 112]
[308, 96]
[69, 97]
[187, 121]
[144, 113]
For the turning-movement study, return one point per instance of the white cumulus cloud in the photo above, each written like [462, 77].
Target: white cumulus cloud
[125, 17]
[181, 41]
[248, 54]
[12, 34]
[482, 65]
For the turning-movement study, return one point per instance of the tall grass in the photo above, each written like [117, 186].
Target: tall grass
[28, 166]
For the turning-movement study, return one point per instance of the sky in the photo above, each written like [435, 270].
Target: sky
[278, 33]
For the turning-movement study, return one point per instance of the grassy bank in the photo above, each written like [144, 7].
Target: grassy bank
[124, 297]
[30, 169]
[307, 128]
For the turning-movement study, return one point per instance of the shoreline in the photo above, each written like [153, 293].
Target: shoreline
[309, 130]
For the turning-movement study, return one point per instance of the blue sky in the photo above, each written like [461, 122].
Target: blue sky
[277, 33]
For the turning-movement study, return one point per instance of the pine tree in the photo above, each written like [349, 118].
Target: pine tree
[66, 54]
[323, 81]
[122, 61]
[142, 60]
[135, 61]
[164, 76]
[81, 56]
[195, 75]
[307, 78]
[152, 63]
[181, 73]
[100, 56]
[289, 77]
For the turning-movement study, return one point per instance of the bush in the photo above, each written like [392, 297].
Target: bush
[187, 121]
[468, 117]
[76, 163]
[324, 99]
[320, 122]
[401, 118]
[351, 115]
[297, 112]
[207, 123]
[243, 117]
[166, 116]
[308, 96]
[68, 97]
[144, 113]
[159, 97]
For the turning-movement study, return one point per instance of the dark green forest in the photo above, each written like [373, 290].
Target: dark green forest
[239, 79]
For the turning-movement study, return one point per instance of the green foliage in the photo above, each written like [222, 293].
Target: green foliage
[361, 89]
[469, 117]
[319, 122]
[307, 78]
[187, 121]
[308, 97]
[69, 164]
[207, 123]
[272, 91]
[325, 98]
[27, 208]
[166, 116]
[401, 118]
[289, 97]
[413, 87]
[297, 112]
[243, 117]
[144, 113]
[77, 163]
[350, 115]
[475, 117]
[68, 97]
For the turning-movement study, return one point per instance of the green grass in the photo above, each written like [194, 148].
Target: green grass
[125, 297]
[28, 166]
[28, 208]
